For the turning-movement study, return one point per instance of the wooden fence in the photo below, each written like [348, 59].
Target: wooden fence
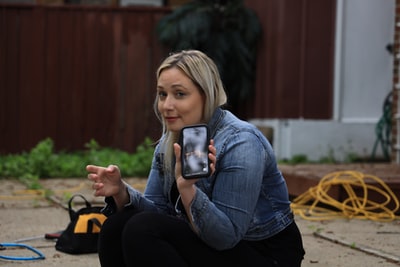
[74, 73]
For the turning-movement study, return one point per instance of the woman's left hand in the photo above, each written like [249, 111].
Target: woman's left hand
[182, 182]
[186, 187]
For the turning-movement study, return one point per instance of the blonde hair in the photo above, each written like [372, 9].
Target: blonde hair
[204, 73]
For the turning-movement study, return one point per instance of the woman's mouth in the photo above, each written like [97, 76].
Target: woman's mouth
[171, 119]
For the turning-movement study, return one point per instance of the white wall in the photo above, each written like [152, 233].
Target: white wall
[320, 138]
[364, 66]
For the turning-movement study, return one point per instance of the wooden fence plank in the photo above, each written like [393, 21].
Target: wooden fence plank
[51, 66]
[9, 79]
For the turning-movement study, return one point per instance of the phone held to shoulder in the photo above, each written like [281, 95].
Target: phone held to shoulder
[194, 141]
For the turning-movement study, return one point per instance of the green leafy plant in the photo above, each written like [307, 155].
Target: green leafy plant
[227, 31]
[43, 162]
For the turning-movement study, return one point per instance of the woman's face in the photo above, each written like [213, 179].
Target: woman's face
[180, 102]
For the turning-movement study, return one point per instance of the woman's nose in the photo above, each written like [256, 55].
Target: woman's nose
[168, 103]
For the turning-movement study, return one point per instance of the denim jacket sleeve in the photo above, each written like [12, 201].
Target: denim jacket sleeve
[222, 217]
[136, 201]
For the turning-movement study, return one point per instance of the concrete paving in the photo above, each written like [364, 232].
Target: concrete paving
[331, 243]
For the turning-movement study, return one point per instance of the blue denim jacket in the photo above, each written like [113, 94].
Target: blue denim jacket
[245, 199]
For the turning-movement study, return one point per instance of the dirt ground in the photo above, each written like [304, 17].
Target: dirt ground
[25, 218]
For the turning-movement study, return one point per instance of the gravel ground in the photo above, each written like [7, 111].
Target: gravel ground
[331, 243]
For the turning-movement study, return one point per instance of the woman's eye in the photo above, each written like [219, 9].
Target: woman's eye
[180, 94]
[162, 94]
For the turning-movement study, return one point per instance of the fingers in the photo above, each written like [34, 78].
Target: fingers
[112, 169]
[94, 172]
[212, 148]
[92, 168]
[212, 144]
[97, 174]
[213, 160]
[212, 155]
[177, 150]
[98, 170]
[98, 189]
[105, 179]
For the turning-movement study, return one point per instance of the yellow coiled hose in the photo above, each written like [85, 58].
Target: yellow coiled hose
[316, 203]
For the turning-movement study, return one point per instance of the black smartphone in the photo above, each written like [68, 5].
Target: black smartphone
[194, 141]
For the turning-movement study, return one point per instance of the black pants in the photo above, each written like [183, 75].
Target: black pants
[150, 239]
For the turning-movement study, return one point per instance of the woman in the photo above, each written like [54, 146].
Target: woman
[239, 216]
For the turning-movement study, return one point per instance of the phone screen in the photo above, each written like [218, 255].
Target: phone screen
[194, 157]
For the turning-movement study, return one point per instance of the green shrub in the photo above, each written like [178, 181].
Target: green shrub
[43, 162]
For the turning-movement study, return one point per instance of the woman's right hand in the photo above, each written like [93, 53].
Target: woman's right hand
[107, 181]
